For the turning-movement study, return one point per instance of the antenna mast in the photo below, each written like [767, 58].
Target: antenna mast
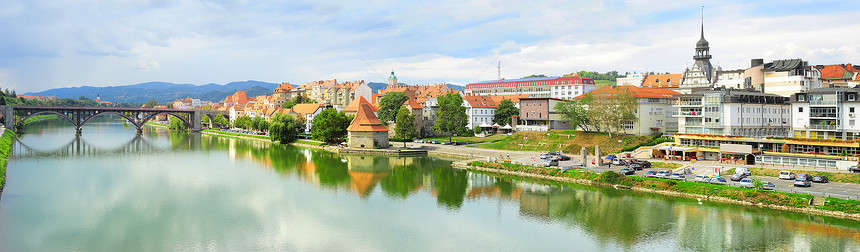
[500, 69]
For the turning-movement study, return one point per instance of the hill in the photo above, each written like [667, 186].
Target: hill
[162, 91]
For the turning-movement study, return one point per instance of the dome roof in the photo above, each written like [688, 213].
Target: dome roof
[392, 77]
[702, 42]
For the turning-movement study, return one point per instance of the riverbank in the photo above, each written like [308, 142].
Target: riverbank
[6, 141]
[849, 209]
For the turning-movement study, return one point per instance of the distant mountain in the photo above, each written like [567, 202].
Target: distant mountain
[162, 92]
[376, 86]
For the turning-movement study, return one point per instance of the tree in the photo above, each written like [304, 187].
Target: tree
[610, 110]
[285, 128]
[176, 123]
[255, 123]
[169, 105]
[451, 116]
[405, 128]
[504, 111]
[221, 121]
[151, 103]
[329, 125]
[576, 112]
[757, 184]
[243, 122]
[389, 104]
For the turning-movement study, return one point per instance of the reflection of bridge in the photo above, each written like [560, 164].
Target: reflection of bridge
[14, 116]
[79, 147]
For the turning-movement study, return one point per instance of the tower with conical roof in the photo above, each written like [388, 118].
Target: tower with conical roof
[703, 56]
[392, 80]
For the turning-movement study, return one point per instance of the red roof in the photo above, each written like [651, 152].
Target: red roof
[355, 104]
[638, 92]
[284, 87]
[477, 101]
[838, 71]
[306, 108]
[662, 80]
[365, 120]
[413, 104]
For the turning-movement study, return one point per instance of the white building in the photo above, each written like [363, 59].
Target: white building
[634, 79]
[701, 74]
[479, 109]
[826, 113]
[733, 112]
[555, 87]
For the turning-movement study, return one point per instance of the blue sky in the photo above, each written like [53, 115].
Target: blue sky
[49, 44]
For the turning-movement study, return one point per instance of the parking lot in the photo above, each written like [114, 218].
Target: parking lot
[832, 189]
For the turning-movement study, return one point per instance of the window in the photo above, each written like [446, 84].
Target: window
[851, 122]
[851, 97]
[800, 109]
[851, 109]
[659, 122]
[801, 98]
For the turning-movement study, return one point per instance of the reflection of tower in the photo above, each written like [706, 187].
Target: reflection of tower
[392, 80]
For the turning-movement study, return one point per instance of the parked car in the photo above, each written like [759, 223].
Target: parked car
[746, 183]
[644, 163]
[662, 174]
[802, 182]
[820, 179]
[786, 175]
[650, 173]
[618, 161]
[609, 157]
[550, 162]
[434, 141]
[854, 169]
[446, 143]
[419, 141]
[676, 176]
[635, 166]
[803, 176]
[737, 177]
[718, 181]
[563, 157]
[702, 178]
[769, 186]
[746, 172]
[626, 171]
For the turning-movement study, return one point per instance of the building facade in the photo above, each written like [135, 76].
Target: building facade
[826, 113]
[479, 109]
[733, 112]
[701, 74]
[539, 114]
[554, 87]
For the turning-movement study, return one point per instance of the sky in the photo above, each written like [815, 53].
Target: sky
[65, 43]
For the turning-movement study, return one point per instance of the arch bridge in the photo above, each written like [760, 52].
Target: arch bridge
[14, 116]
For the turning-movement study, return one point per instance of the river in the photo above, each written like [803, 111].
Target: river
[110, 190]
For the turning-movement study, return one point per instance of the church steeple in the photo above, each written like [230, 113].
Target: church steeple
[392, 80]
[703, 54]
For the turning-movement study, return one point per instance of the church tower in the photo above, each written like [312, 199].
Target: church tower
[392, 80]
[703, 56]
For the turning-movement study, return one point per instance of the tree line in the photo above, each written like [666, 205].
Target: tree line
[10, 98]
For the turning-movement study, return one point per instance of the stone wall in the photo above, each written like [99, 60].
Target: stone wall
[368, 140]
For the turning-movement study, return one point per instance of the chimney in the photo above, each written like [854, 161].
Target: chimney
[756, 62]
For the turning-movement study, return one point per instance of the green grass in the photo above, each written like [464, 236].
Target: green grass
[310, 142]
[665, 165]
[704, 189]
[851, 178]
[568, 141]
[5, 148]
[217, 132]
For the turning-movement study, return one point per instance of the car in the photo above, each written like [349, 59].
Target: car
[769, 186]
[662, 174]
[626, 171]
[746, 183]
[676, 176]
[702, 178]
[618, 161]
[550, 162]
[635, 166]
[746, 172]
[802, 183]
[854, 169]
[610, 157]
[786, 175]
[446, 143]
[650, 173]
[644, 163]
[820, 179]
[737, 177]
[803, 176]
[718, 181]
[563, 157]
[434, 141]
[419, 141]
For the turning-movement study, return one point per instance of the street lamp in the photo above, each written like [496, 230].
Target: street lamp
[761, 154]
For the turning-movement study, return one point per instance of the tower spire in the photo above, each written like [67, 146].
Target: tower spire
[703, 22]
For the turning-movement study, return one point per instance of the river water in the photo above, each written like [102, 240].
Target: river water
[110, 190]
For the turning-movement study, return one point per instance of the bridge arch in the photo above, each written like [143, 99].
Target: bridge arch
[131, 120]
[21, 123]
[150, 117]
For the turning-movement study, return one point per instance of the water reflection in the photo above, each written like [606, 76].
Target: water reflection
[192, 192]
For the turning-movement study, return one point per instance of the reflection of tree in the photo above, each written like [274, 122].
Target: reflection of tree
[450, 187]
[179, 140]
[331, 171]
[401, 181]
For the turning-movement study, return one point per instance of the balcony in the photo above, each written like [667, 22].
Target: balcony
[713, 125]
[823, 115]
[687, 114]
[822, 127]
[687, 103]
[822, 103]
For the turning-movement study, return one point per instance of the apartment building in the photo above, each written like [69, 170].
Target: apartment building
[539, 114]
[554, 87]
[826, 113]
[733, 112]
